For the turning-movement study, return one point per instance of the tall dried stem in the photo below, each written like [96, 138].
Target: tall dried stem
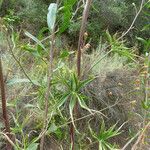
[80, 46]
[4, 107]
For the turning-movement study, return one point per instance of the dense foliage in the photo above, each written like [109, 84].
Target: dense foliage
[74, 74]
[116, 16]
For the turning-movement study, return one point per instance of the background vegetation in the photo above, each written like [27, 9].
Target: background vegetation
[52, 106]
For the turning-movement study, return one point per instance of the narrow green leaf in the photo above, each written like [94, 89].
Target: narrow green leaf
[92, 133]
[66, 53]
[84, 83]
[102, 129]
[34, 39]
[17, 81]
[74, 82]
[146, 27]
[62, 100]
[29, 106]
[141, 40]
[31, 50]
[109, 37]
[52, 128]
[82, 103]
[71, 107]
[67, 14]
[33, 146]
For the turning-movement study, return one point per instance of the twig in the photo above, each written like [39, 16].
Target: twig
[89, 115]
[140, 137]
[8, 139]
[135, 18]
[11, 48]
[78, 7]
[48, 37]
[126, 145]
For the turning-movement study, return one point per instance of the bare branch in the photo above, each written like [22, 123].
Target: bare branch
[135, 18]
[140, 136]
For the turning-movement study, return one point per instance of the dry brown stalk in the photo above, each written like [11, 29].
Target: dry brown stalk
[4, 107]
[80, 46]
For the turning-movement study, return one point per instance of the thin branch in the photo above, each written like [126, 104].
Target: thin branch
[89, 115]
[140, 136]
[48, 37]
[135, 18]
[127, 144]
[49, 78]
[8, 139]
[77, 9]
[11, 48]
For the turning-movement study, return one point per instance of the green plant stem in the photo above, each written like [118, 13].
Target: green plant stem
[4, 107]
[49, 77]
[11, 48]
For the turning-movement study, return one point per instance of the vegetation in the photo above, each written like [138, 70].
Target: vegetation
[74, 75]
